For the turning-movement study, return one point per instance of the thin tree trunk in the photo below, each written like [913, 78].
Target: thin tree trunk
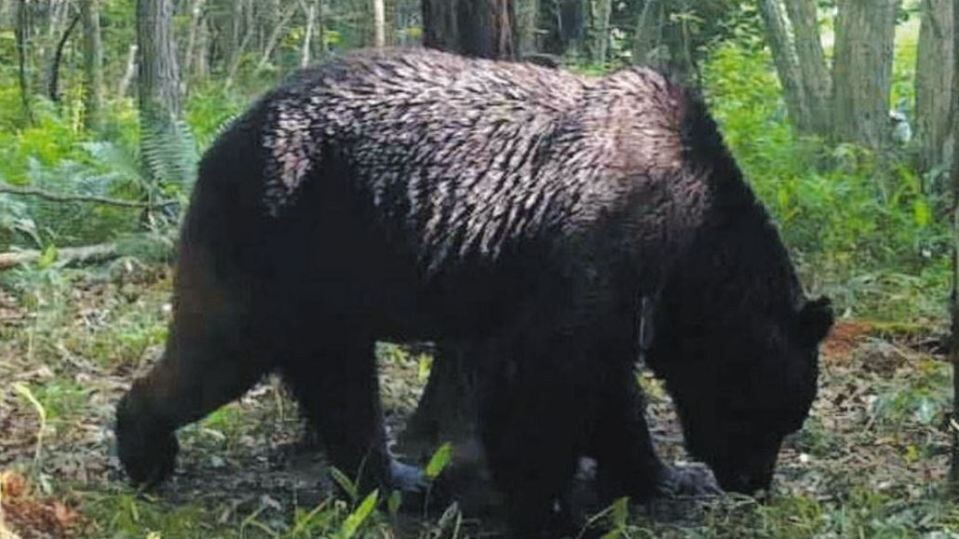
[527, 15]
[787, 66]
[92, 64]
[379, 24]
[862, 73]
[934, 84]
[482, 28]
[192, 41]
[306, 49]
[53, 84]
[129, 72]
[599, 11]
[816, 83]
[954, 303]
[278, 31]
[23, 77]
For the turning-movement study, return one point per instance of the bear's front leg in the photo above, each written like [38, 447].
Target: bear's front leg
[622, 445]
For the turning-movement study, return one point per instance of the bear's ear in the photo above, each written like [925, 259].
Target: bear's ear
[815, 319]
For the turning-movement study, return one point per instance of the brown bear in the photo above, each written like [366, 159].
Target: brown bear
[540, 216]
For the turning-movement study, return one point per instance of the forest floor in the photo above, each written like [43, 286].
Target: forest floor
[870, 462]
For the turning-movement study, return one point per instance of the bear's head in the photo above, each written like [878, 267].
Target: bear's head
[736, 342]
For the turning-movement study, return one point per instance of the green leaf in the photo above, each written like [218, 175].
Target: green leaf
[47, 257]
[438, 462]
[345, 483]
[921, 213]
[394, 502]
[356, 519]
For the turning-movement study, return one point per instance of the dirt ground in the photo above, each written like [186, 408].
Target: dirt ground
[877, 439]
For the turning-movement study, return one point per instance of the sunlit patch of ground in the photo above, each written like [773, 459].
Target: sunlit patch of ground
[870, 461]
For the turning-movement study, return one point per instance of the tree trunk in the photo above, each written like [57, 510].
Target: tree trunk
[440, 28]
[92, 64]
[23, 77]
[954, 306]
[816, 84]
[527, 17]
[564, 25]
[447, 410]
[862, 73]
[310, 9]
[482, 28]
[934, 84]
[599, 13]
[379, 24]
[954, 303]
[787, 66]
[157, 77]
[129, 72]
[53, 84]
[193, 41]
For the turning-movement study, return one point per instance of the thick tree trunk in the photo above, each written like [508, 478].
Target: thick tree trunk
[816, 83]
[564, 25]
[862, 73]
[92, 64]
[934, 84]
[482, 28]
[787, 66]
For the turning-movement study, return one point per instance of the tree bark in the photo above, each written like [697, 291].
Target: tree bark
[310, 9]
[129, 72]
[158, 79]
[787, 66]
[934, 84]
[564, 25]
[379, 24]
[816, 83]
[862, 73]
[23, 77]
[92, 64]
[954, 303]
[599, 13]
[53, 85]
[193, 41]
[481, 28]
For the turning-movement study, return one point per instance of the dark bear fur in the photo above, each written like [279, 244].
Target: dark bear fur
[415, 195]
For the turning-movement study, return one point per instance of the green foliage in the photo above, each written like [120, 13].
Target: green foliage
[863, 230]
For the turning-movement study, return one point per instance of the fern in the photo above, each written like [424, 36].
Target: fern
[169, 156]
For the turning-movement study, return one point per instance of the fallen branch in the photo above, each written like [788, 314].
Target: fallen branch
[91, 199]
[65, 255]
